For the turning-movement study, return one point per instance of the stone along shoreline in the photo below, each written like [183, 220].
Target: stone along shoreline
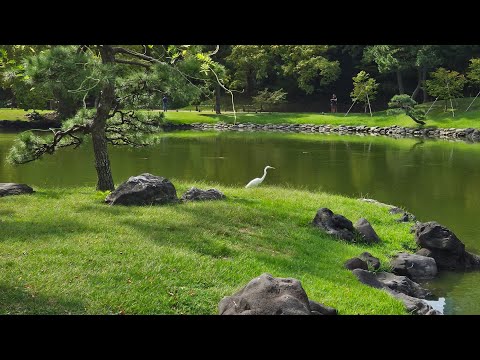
[469, 134]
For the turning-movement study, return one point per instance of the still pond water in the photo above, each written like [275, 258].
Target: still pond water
[435, 180]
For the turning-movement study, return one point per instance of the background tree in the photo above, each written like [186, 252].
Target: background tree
[12, 76]
[427, 57]
[268, 97]
[473, 76]
[77, 69]
[445, 84]
[249, 64]
[391, 58]
[364, 88]
[405, 104]
[124, 78]
[308, 64]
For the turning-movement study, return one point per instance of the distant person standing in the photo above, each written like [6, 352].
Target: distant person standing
[333, 104]
[165, 102]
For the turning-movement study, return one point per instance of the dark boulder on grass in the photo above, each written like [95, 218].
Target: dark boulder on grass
[7, 189]
[370, 260]
[267, 295]
[416, 267]
[334, 224]
[322, 309]
[355, 263]
[144, 189]
[441, 244]
[366, 231]
[368, 278]
[195, 194]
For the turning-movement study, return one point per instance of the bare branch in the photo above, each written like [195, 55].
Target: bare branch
[129, 62]
[215, 51]
[121, 50]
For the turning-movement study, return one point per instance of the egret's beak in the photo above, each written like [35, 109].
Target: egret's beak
[272, 167]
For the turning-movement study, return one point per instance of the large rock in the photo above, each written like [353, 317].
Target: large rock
[144, 189]
[368, 278]
[402, 284]
[416, 267]
[443, 245]
[195, 194]
[370, 260]
[355, 263]
[432, 235]
[7, 189]
[267, 295]
[366, 231]
[412, 304]
[334, 224]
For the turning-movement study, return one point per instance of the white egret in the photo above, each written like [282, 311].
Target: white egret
[258, 181]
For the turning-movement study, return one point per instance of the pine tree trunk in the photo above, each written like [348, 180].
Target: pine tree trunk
[105, 105]
[102, 161]
[400, 82]
[217, 99]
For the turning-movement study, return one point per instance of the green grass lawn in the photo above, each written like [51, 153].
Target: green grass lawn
[437, 117]
[63, 251]
[16, 114]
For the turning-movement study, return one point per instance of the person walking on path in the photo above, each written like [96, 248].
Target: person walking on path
[165, 102]
[333, 104]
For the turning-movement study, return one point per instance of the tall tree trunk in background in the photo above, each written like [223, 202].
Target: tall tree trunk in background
[250, 83]
[217, 99]
[105, 105]
[400, 82]
[424, 78]
[419, 84]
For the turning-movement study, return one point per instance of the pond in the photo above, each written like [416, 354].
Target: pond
[435, 180]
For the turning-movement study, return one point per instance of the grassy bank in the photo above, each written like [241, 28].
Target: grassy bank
[16, 114]
[65, 251]
[437, 117]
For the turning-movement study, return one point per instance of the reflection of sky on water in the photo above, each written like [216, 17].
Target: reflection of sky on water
[438, 305]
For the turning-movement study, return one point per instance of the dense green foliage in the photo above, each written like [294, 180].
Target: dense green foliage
[445, 84]
[308, 73]
[267, 97]
[405, 104]
[364, 88]
[473, 74]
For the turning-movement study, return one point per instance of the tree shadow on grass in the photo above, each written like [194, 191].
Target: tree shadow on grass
[6, 212]
[34, 230]
[16, 301]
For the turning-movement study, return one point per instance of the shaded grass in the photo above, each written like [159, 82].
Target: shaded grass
[65, 251]
[17, 114]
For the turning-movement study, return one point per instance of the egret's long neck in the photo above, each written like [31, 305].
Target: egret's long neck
[264, 174]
